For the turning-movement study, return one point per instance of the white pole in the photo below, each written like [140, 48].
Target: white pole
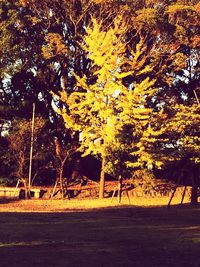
[31, 148]
[196, 97]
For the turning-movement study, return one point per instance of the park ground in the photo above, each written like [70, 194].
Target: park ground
[41, 205]
[99, 233]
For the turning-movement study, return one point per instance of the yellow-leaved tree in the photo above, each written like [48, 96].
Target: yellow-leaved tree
[91, 109]
[103, 104]
[182, 143]
[140, 123]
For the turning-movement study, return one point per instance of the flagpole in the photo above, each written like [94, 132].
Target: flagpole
[31, 148]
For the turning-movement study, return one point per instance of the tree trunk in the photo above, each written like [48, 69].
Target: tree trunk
[26, 188]
[195, 184]
[102, 179]
[120, 189]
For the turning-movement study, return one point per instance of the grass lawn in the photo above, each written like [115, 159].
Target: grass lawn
[126, 236]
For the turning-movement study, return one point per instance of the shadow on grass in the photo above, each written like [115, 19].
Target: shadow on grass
[125, 236]
[7, 200]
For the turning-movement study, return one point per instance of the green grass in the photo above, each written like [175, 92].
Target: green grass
[148, 237]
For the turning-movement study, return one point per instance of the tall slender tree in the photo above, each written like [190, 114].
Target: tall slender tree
[101, 110]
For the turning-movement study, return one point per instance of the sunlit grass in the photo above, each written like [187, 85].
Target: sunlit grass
[85, 204]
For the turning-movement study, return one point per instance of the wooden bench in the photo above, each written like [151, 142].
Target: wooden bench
[36, 192]
[9, 192]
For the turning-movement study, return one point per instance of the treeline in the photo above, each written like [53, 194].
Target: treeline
[118, 80]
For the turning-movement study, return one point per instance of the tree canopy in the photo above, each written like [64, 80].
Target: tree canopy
[123, 75]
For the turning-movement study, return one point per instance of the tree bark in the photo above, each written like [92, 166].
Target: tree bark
[102, 179]
[26, 188]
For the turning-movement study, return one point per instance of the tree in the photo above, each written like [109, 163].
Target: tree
[102, 110]
[92, 112]
[45, 47]
[19, 142]
[40, 47]
[4, 161]
[180, 144]
[64, 152]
